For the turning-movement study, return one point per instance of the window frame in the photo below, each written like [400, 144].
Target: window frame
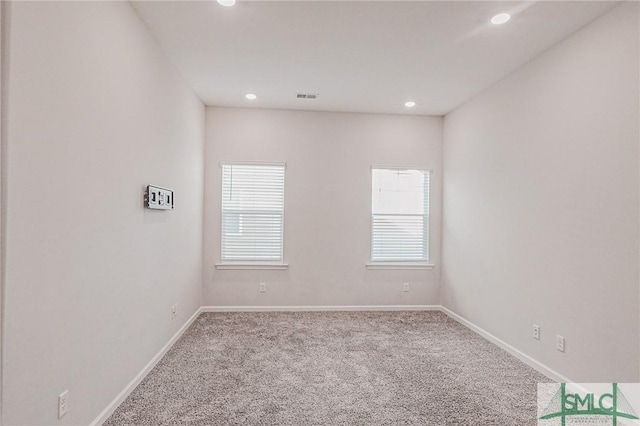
[401, 263]
[276, 264]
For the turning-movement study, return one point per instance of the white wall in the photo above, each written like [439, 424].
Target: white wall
[541, 204]
[327, 204]
[95, 113]
[3, 179]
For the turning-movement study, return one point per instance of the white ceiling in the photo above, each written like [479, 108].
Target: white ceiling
[364, 56]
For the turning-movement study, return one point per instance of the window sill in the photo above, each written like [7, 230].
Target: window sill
[254, 266]
[398, 265]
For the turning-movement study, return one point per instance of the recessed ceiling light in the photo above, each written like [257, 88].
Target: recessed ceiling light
[410, 104]
[250, 96]
[227, 3]
[500, 18]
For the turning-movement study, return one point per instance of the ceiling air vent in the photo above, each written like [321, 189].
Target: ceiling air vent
[307, 95]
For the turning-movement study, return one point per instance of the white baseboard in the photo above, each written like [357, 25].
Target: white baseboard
[108, 411]
[337, 308]
[536, 365]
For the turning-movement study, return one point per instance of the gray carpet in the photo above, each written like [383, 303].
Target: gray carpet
[333, 368]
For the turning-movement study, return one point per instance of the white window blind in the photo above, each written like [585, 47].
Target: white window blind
[400, 215]
[252, 212]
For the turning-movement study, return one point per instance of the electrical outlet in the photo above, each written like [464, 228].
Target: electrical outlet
[560, 343]
[63, 404]
[405, 287]
[263, 287]
[536, 332]
[174, 311]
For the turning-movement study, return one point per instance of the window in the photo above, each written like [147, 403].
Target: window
[400, 215]
[252, 212]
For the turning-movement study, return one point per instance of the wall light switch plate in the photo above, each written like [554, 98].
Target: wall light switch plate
[63, 404]
[158, 198]
[560, 343]
[405, 287]
[536, 332]
[263, 287]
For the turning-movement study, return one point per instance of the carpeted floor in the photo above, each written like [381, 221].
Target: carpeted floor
[333, 368]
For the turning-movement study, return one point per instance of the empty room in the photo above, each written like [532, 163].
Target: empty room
[231, 212]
